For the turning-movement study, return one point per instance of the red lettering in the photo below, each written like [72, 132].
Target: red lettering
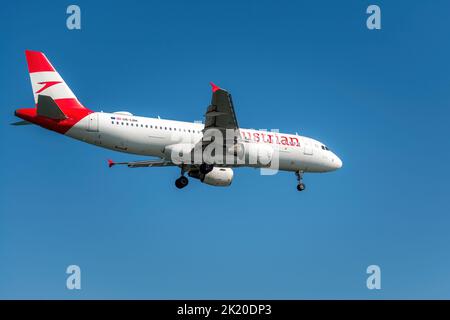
[294, 141]
[262, 137]
[277, 138]
[246, 135]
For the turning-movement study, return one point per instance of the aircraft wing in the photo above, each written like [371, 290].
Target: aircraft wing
[220, 114]
[144, 163]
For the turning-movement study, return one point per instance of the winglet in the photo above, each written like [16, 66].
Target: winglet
[214, 87]
[110, 163]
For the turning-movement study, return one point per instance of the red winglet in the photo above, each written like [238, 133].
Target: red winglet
[214, 87]
[110, 163]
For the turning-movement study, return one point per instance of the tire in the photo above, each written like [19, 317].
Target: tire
[183, 181]
[300, 187]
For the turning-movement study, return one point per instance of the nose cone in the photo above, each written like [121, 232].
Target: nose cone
[336, 163]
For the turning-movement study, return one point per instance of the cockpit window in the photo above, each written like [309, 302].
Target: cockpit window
[325, 148]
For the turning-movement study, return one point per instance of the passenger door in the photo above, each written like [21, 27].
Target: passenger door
[308, 148]
[93, 122]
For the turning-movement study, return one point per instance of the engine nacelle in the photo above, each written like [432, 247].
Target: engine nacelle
[219, 177]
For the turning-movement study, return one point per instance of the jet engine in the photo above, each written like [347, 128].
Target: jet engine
[219, 177]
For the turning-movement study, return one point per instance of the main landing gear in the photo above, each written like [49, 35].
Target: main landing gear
[206, 168]
[300, 185]
[182, 181]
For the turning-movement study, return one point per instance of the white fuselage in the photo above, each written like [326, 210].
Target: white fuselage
[150, 137]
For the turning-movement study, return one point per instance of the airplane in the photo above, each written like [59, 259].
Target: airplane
[173, 143]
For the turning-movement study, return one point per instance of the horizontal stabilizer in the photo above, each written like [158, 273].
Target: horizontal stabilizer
[47, 107]
[21, 123]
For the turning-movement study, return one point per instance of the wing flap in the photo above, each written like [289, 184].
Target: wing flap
[143, 164]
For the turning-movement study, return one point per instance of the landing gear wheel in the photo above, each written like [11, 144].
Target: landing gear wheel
[181, 182]
[300, 185]
[206, 168]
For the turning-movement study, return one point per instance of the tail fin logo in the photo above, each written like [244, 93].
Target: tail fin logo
[47, 84]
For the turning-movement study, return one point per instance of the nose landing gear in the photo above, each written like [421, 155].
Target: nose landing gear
[300, 186]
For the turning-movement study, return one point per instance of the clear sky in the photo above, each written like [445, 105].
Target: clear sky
[379, 99]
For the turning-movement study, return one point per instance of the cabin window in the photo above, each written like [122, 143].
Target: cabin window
[112, 122]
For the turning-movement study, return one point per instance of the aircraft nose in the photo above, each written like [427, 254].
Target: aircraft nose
[336, 162]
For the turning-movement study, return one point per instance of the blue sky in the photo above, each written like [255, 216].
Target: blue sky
[379, 99]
